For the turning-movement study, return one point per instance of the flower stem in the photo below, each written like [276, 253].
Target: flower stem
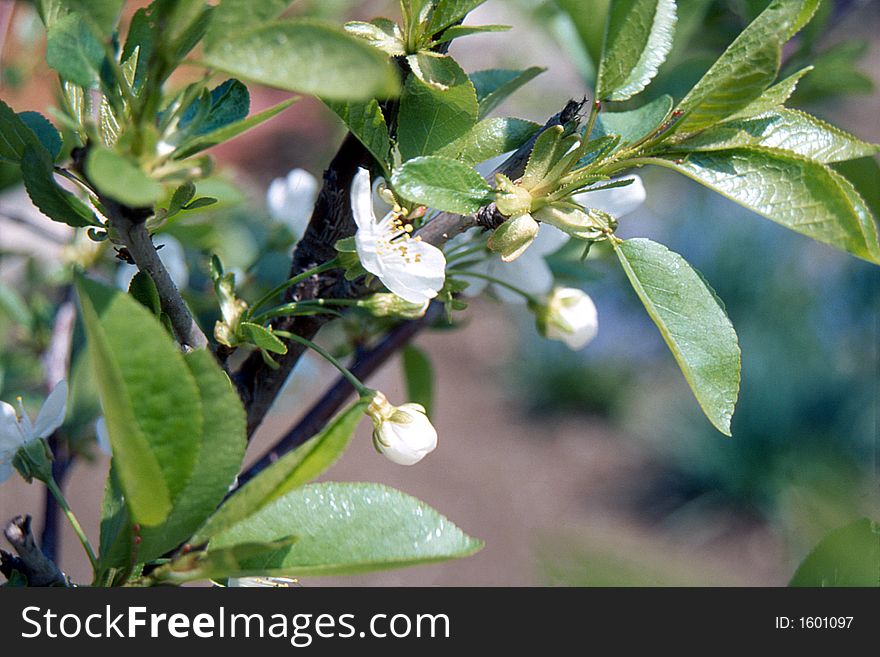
[311, 304]
[77, 528]
[320, 269]
[352, 379]
[497, 281]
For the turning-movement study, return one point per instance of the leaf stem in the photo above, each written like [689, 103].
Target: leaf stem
[352, 379]
[497, 281]
[71, 518]
[278, 289]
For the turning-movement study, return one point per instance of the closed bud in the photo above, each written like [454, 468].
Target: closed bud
[570, 316]
[514, 236]
[390, 305]
[577, 222]
[403, 434]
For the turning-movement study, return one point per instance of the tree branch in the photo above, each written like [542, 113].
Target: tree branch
[134, 234]
[30, 562]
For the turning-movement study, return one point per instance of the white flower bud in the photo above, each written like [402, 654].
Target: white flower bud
[569, 316]
[386, 304]
[404, 434]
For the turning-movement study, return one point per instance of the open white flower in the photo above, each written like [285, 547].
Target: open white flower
[569, 316]
[291, 199]
[404, 434]
[17, 430]
[412, 269]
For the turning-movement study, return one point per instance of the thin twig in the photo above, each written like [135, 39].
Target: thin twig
[30, 562]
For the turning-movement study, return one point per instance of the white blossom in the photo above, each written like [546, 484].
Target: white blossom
[404, 434]
[410, 268]
[17, 430]
[570, 316]
[292, 199]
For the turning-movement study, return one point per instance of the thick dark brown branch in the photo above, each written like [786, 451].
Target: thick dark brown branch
[30, 562]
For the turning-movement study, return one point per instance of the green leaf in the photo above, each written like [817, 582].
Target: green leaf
[380, 33]
[53, 201]
[367, 123]
[220, 453]
[802, 195]
[14, 307]
[347, 529]
[692, 323]
[102, 13]
[291, 471]
[447, 12]
[262, 338]
[636, 124]
[784, 130]
[419, 376]
[232, 16]
[120, 179]
[15, 135]
[430, 118]
[459, 31]
[638, 37]
[45, 132]
[494, 86]
[490, 138]
[849, 556]
[73, 50]
[551, 147]
[202, 142]
[305, 56]
[220, 563]
[143, 289]
[151, 402]
[746, 68]
[443, 184]
[774, 98]
[227, 103]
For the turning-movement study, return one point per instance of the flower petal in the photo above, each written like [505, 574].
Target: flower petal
[292, 199]
[362, 201]
[417, 276]
[52, 413]
[10, 432]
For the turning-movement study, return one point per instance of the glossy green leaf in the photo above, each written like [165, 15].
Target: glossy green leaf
[143, 289]
[262, 338]
[431, 118]
[120, 179]
[494, 86]
[45, 132]
[785, 130]
[380, 33]
[849, 556]
[638, 37]
[800, 194]
[419, 376]
[693, 324]
[551, 147]
[746, 68]
[52, 200]
[231, 16]
[347, 529]
[15, 135]
[151, 401]
[227, 103]
[202, 142]
[443, 184]
[459, 31]
[220, 453]
[490, 138]
[74, 51]
[447, 12]
[636, 124]
[305, 56]
[289, 472]
[774, 98]
[367, 123]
